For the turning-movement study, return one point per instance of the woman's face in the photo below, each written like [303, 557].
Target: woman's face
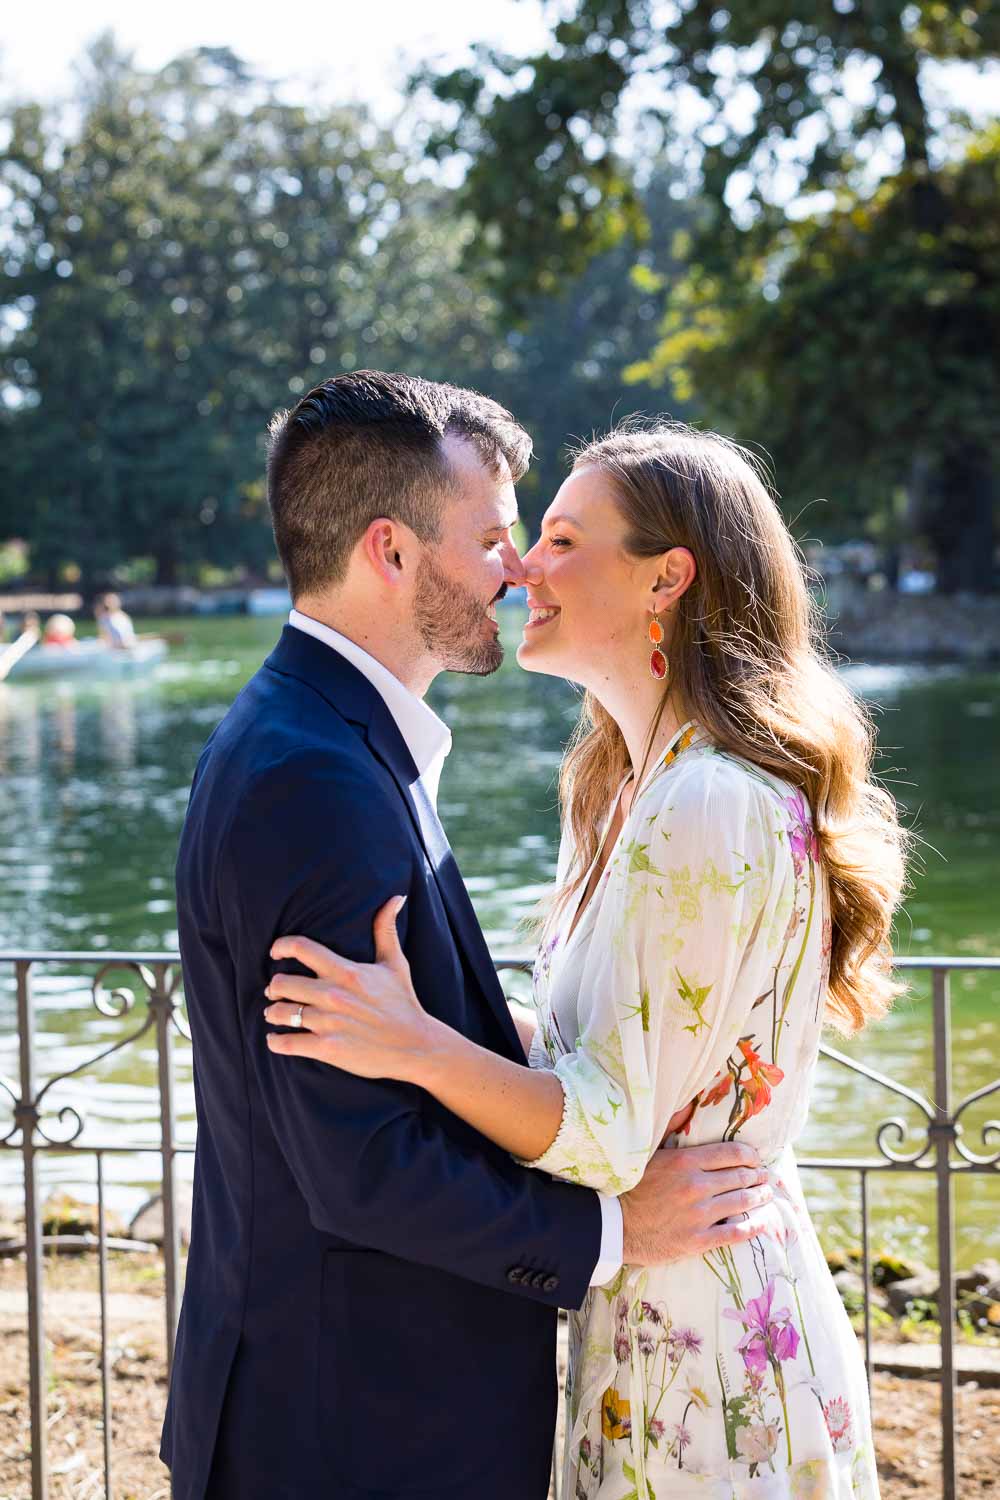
[590, 602]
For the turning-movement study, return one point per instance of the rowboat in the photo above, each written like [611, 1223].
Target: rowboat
[86, 659]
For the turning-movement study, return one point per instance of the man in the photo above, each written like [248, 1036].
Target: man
[372, 1287]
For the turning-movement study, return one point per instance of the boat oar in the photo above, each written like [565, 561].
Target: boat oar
[12, 655]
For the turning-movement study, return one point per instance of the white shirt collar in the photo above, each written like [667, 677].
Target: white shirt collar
[427, 738]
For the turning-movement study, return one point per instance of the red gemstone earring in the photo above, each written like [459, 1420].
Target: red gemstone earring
[658, 664]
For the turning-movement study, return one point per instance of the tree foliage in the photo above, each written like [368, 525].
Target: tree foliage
[839, 304]
[192, 254]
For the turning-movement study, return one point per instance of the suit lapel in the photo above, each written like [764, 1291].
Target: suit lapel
[386, 742]
[350, 693]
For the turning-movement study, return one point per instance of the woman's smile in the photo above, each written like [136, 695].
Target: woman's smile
[541, 614]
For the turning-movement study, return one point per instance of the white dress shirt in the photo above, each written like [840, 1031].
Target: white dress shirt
[429, 741]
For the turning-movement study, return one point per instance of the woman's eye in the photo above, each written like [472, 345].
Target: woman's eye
[559, 541]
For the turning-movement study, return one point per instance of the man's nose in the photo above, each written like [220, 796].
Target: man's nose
[513, 567]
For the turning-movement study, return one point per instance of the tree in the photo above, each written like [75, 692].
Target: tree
[195, 252]
[192, 253]
[564, 364]
[781, 124]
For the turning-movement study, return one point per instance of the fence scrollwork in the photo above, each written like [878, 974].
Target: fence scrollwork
[146, 997]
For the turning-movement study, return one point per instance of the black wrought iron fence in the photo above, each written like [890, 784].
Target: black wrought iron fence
[147, 1000]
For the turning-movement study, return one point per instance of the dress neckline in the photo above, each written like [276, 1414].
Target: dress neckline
[678, 743]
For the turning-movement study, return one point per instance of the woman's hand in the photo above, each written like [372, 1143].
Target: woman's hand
[364, 1018]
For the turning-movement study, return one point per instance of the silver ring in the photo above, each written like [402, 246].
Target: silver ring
[296, 1020]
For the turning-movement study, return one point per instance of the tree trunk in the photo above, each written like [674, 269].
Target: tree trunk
[166, 564]
[961, 526]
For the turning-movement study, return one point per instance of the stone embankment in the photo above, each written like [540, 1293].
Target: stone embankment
[879, 626]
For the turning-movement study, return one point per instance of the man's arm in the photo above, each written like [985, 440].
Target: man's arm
[318, 847]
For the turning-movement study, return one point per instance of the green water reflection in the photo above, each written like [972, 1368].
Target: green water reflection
[93, 787]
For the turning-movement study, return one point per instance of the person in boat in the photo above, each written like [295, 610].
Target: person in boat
[114, 626]
[60, 630]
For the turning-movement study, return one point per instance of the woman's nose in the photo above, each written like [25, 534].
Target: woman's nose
[531, 567]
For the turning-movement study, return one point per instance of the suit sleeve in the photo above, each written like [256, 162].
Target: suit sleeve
[315, 848]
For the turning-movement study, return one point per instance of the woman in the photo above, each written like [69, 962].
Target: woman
[727, 877]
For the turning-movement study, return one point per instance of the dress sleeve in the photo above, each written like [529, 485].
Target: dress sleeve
[688, 941]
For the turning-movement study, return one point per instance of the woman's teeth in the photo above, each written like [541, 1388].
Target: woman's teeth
[539, 616]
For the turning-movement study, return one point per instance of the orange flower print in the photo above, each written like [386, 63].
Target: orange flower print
[750, 1078]
[717, 1090]
[616, 1415]
[757, 1086]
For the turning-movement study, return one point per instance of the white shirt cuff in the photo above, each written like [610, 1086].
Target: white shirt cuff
[612, 1241]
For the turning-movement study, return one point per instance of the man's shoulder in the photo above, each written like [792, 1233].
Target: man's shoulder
[290, 759]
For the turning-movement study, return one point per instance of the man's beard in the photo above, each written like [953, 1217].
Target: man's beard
[449, 619]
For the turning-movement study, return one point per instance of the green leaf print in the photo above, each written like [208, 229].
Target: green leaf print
[629, 1473]
[642, 1009]
[639, 861]
[734, 1419]
[693, 996]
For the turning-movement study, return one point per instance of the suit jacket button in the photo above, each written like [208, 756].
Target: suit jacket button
[550, 1283]
[515, 1274]
[538, 1280]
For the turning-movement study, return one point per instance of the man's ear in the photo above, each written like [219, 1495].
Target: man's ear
[387, 546]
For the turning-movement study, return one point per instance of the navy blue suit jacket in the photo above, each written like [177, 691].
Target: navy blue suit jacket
[372, 1286]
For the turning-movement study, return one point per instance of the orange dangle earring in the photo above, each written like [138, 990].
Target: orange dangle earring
[658, 664]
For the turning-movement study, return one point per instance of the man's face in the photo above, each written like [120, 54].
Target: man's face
[462, 577]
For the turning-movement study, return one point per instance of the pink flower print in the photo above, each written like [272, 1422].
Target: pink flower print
[770, 1337]
[784, 1235]
[757, 1443]
[684, 1341]
[656, 1428]
[652, 1328]
[681, 1436]
[802, 838]
[838, 1424]
[622, 1346]
[543, 962]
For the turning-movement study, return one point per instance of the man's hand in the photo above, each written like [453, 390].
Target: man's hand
[677, 1210]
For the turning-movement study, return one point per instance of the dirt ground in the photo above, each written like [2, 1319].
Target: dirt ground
[906, 1411]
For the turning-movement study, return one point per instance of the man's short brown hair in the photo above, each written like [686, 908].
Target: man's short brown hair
[369, 444]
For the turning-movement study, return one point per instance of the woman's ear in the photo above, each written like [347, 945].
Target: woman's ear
[676, 572]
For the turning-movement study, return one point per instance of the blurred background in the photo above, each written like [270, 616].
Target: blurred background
[780, 220]
[784, 222]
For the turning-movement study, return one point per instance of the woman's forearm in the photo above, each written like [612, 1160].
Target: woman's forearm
[519, 1108]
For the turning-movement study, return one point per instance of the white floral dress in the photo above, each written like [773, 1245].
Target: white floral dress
[697, 972]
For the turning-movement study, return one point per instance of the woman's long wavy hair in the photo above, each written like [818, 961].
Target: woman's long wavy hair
[747, 662]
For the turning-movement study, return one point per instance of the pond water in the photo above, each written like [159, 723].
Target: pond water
[93, 787]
